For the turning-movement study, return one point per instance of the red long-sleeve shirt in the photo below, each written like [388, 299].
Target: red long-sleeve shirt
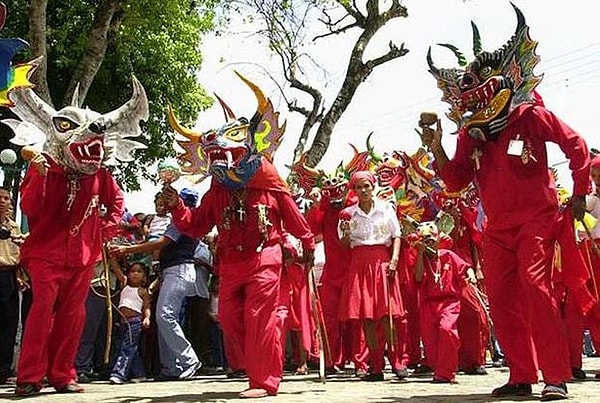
[512, 191]
[323, 219]
[66, 237]
[240, 239]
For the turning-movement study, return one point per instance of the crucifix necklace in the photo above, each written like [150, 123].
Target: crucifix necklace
[239, 204]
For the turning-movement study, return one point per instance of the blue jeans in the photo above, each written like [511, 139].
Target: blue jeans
[216, 345]
[129, 363]
[175, 350]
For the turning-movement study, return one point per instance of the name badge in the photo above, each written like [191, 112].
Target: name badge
[515, 147]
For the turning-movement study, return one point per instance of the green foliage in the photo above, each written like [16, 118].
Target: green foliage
[157, 40]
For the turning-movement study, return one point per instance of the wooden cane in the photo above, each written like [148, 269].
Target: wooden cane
[390, 300]
[317, 312]
[109, 312]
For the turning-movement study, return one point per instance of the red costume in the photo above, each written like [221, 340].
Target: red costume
[520, 202]
[439, 296]
[323, 219]
[64, 243]
[295, 305]
[250, 262]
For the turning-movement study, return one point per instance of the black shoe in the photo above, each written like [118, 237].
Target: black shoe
[578, 373]
[83, 378]
[512, 389]
[373, 377]
[422, 369]
[478, 370]
[237, 374]
[401, 373]
[333, 371]
[27, 389]
[72, 387]
[554, 392]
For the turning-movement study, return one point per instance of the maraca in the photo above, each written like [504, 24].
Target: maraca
[427, 119]
[169, 171]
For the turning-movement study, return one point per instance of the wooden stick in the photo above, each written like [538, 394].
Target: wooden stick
[109, 313]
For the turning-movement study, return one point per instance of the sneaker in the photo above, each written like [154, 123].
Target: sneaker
[115, 380]
[373, 377]
[190, 371]
[138, 379]
[512, 389]
[401, 373]
[237, 374]
[478, 370]
[83, 378]
[554, 392]
[71, 387]
[578, 373]
[422, 369]
[27, 389]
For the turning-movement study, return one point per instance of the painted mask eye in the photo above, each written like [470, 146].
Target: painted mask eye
[237, 134]
[327, 182]
[485, 72]
[64, 125]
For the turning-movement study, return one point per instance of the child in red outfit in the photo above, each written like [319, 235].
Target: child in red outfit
[441, 276]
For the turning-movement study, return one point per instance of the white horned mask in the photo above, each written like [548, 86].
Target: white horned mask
[78, 138]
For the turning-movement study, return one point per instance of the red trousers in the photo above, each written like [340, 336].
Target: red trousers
[248, 301]
[355, 344]
[518, 266]
[330, 301]
[473, 329]
[54, 324]
[398, 356]
[439, 318]
[410, 297]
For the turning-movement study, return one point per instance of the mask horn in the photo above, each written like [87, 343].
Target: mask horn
[75, 99]
[260, 97]
[175, 125]
[476, 39]
[229, 115]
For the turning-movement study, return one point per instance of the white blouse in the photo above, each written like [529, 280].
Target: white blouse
[378, 227]
[593, 207]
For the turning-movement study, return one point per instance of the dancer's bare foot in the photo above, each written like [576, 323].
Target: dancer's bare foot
[253, 393]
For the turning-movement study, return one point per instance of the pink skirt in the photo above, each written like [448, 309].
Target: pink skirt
[367, 286]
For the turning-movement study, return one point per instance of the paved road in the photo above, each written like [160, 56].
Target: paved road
[307, 389]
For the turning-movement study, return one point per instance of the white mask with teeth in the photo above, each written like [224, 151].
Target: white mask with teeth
[78, 138]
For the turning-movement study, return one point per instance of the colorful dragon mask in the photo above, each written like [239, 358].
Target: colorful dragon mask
[233, 152]
[334, 185]
[483, 93]
[79, 139]
[11, 76]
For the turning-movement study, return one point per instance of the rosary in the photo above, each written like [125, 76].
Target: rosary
[237, 208]
[73, 189]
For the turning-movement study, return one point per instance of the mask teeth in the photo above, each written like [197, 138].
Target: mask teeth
[229, 159]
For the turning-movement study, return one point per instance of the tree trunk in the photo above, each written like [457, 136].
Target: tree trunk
[37, 45]
[95, 51]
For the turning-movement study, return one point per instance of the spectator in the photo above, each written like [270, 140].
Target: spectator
[10, 282]
[134, 308]
[178, 280]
